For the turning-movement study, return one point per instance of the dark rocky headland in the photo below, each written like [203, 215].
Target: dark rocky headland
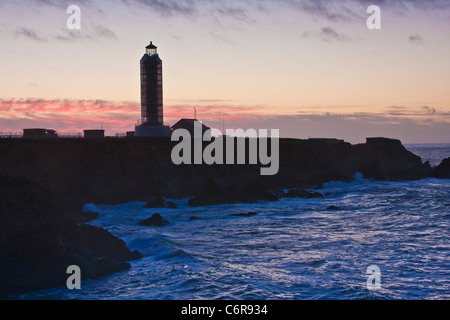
[45, 183]
[39, 239]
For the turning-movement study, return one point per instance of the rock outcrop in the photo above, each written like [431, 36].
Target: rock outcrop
[213, 194]
[302, 193]
[442, 171]
[39, 240]
[160, 202]
[122, 170]
[155, 220]
[244, 214]
[89, 215]
[387, 159]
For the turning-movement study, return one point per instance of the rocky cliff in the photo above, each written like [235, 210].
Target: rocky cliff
[39, 240]
[43, 180]
[79, 171]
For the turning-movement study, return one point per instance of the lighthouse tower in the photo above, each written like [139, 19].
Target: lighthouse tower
[151, 96]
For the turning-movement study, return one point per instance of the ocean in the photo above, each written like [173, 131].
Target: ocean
[292, 249]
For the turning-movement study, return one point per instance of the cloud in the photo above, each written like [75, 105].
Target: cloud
[320, 8]
[224, 15]
[339, 11]
[353, 128]
[221, 38]
[104, 32]
[331, 10]
[415, 39]
[76, 115]
[411, 125]
[29, 33]
[429, 110]
[415, 112]
[49, 3]
[167, 7]
[96, 32]
[237, 13]
[67, 114]
[72, 35]
[327, 34]
[93, 33]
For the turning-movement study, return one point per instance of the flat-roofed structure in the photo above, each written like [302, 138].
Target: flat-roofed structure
[39, 133]
[94, 133]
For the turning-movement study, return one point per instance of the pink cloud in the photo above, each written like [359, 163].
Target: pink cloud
[423, 124]
[75, 115]
[67, 115]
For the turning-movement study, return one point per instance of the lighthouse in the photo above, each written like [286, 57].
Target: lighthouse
[152, 116]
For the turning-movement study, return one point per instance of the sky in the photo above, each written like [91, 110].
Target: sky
[308, 68]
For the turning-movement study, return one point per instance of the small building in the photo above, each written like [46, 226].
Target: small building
[130, 134]
[37, 133]
[96, 133]
[188, 124]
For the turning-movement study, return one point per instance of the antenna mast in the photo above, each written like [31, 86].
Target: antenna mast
[223, 122]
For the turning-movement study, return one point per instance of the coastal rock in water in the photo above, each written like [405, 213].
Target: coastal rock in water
[155, 202]
[89, 215]
[313, 195]
[213, 193]
[104, 244]
[171, 205]
[442, 170]
[155, 220]
[388, 159]
[293, 193]
[159, 202]
[332, 208]
[301, 193]
[39, 240]
[279, 194]
[247, 214]
[194, 218]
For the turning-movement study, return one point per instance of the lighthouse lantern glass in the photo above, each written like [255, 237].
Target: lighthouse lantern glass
[151, 51]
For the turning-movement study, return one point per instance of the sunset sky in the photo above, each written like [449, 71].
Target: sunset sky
[309, 68]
